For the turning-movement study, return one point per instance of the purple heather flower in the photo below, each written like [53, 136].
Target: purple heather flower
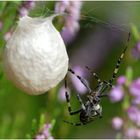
[121, 80]
[136, 101]
[23, 11]
[67, 35]
[116, 94]
[135, 88]
[68, 32]
[74, 9]
[7, 35]
[134, 114]
[26, 6]
[71, 26]
[137, 133]
[136, 51]
[29, 4]
[60, 6]
[130, 133]
[76, 82]
[61, 93]
[1, 24]
[40, 137]
[117, 123]
[45, 133]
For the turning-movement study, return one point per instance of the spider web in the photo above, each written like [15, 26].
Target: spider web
[119, 15]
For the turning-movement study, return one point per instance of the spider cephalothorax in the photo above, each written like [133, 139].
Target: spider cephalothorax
[92, 109]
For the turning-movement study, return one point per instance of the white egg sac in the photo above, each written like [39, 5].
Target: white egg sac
[35, 57]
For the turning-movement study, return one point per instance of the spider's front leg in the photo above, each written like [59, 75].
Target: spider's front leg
[94, 75]
[119, 61]
[103, 95]
[82, 80]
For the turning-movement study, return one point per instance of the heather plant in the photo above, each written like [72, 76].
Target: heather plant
[127, 124]
[95, 34]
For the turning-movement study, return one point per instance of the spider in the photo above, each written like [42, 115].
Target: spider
[92, 109]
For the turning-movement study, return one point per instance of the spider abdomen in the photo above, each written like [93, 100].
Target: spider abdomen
[83, 116]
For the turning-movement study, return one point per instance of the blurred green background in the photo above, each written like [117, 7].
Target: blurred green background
[97, 44]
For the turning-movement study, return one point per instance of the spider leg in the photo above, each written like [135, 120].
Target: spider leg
[68, 100]
[103, 95]
[83, 81]
[79, 123]
[75, 124]
[94, 75]
[108, 83]
[103, 87]
[81, 102]
[119, 61]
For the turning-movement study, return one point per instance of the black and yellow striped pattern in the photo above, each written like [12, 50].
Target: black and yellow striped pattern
[119, 61]
[99, 92]
[68, 100]
[85, 83]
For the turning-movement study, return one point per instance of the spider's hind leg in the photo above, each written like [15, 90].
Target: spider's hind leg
[68, 100]
[79, 123]
[75, 124]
